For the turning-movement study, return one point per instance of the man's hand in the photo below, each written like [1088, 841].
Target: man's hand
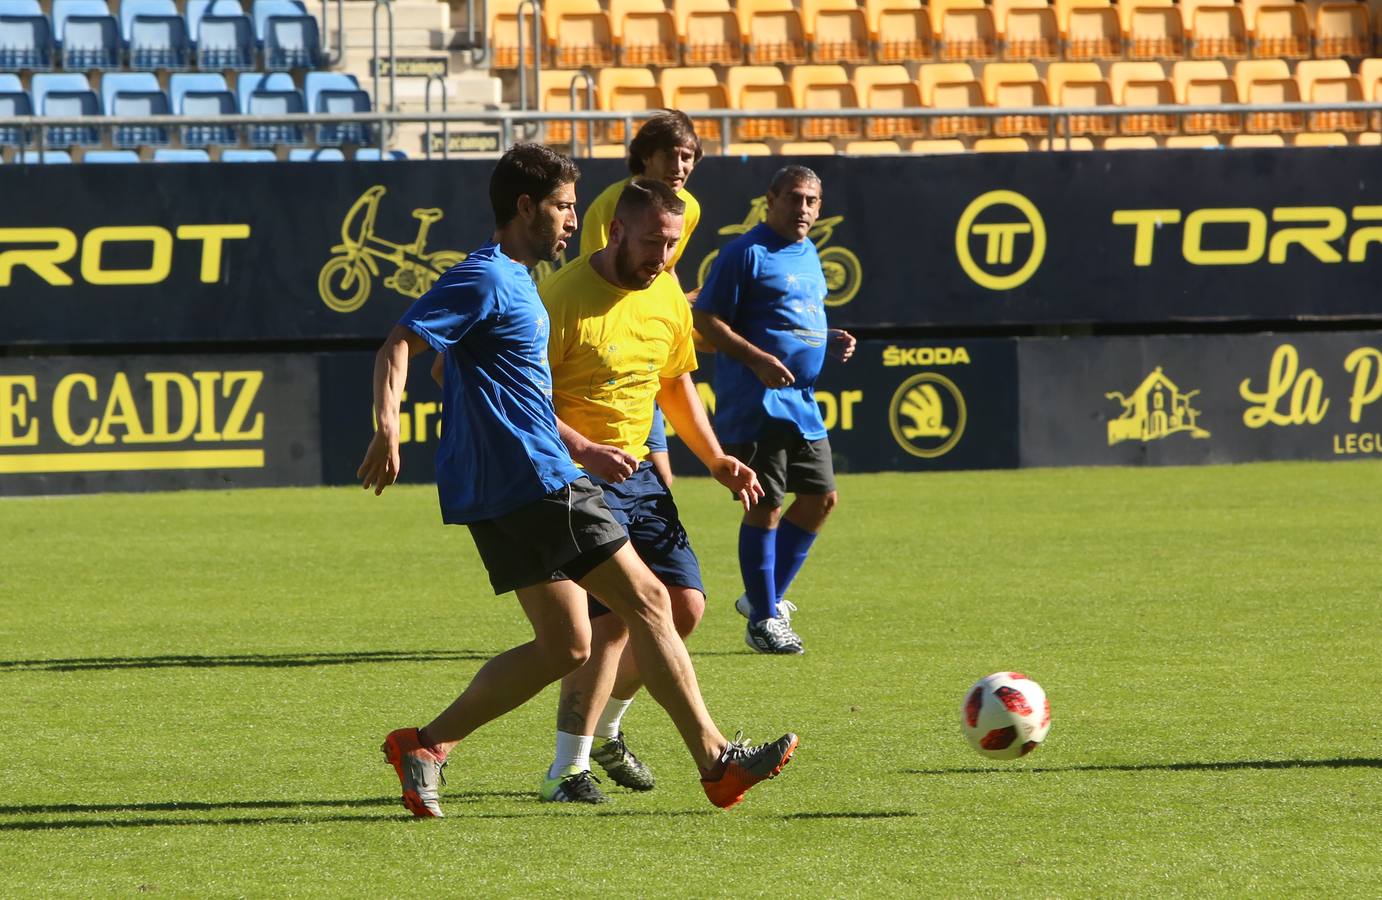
[381, 464]
[772, 372]
[842, 344]
[739, 478]
[609, 463]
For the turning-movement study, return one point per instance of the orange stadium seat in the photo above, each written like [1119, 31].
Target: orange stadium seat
[1370, 139]
[760, 87]
[1027, 29]
[773, 32]
[1081, 84]
[694, 89]
[1092, 29]
[1342, 29]
[873, 148]
[709, 32]
[1126, 142]
[1277, 29]
[1256, 140]
[1214, 29]
[937, 147]
[888, 87]
[949, 86]
[503, 34]
[1205, 82]
[578, 33]
[1320, 139]
[645, 32]
[837, 31]
[1330, 81]
[1142, 84]
[750, 148]
[901, 30]
[1061, 143]
[1153, 29]
[1002, 145]
[964, 29]
[1192, 142]
[1369, 76]
[806, 148]
[1016, 85]
[1261, 81]
[825, 88]
[555, 93]
[631, 89]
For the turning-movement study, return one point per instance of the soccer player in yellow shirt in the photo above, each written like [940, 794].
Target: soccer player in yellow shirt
[666, 149]
[620, 340]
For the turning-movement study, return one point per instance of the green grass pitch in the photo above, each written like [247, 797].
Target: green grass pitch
[194, 686]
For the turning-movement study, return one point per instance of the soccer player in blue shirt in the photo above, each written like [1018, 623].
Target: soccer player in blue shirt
[763, 308]
[541, 527]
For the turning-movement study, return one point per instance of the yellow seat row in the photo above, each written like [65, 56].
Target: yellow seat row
[1022, 145]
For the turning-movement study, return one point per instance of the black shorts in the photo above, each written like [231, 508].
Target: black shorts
[787, 463]
[561, 536]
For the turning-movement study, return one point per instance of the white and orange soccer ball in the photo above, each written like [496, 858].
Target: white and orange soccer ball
[1005, 715]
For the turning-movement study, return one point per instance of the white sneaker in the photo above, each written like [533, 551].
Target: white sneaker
[785, 608]
[773, 636]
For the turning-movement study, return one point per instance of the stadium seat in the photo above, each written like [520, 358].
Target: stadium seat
[66, 94]
[825, 87]
[174, 155]
[1002, 145]
[1081, 84]
[1142, 83]
[236, 155]
[372, 154]
[872, 148]
[1369, 74]
[901, 30]
[806, 148]
[1214, 29]
[43, 157]
[1062, 144]
[14, 101]
[709, 32]
[937, 147]
[1130, 142]
[1256, 140]
[110, 156]
[1016, 85]
[264, 10]
[1277, 29]
[627, 90]
[1330, 81]
[135, 94]
[644, 31]
[1370, 139]
[1319, 139]
[270, 94]
[952, 85]
[26, 37]
[504, 37]
[578, 33]
[1027, 29]
[1262, 81]
[203, 94]
[1205, 82]
[324, 154]
[1192, 142]
[692, 89]
[564, 91]
[760, 87]
[889, 87]
[964, 30]
[222, 35]
[155, 33]
[773, 32]
[1153, 29]
[86, 34]
[1092, 29]
[837, 31]
[291, 42]
[337, 92]
[748, 149]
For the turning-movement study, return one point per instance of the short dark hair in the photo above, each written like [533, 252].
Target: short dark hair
[789, 175]
[667, 130]
[527, 169]
[647, 194]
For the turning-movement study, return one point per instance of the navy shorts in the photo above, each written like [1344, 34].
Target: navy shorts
[657, 435]
[787, 463]
[644, 506]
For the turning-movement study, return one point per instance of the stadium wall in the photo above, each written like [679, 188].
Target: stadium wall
[195, 326]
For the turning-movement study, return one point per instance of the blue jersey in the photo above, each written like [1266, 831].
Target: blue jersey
[772, 293]
[500, 449]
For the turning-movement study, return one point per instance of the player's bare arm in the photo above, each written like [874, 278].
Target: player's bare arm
[842, 344]
[379, 469]
[603, 460]
[438, 365]
[682, 406]
[726, 340]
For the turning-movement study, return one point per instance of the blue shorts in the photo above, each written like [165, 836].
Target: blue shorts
[657, 435]
[644, 506]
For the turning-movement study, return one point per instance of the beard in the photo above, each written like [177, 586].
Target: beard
[628, 274]
[545, 237]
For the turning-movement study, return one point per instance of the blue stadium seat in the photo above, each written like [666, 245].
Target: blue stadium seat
[222, 34]
[66, 94]
[263, 10]
[14, 101]
[86, 34]
[26, 37]
[291, 42]
[166, 155]
[325, 154]
[156, 34]
[43, 157]
[270, 94]
[110, 156]
[135, 94]
[256, 155]
[337, 92]
[203, 94]
[371, 154]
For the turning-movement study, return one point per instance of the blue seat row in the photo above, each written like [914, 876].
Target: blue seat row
[165, 155]
[189, 94]
[152, 34]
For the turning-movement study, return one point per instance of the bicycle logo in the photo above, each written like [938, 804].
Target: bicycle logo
[842, 270]
[348, 276]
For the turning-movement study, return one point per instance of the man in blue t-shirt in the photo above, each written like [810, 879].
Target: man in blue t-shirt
[541, 527]
[763, 308]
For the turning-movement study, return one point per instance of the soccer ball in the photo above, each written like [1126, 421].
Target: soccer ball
[1005, 715]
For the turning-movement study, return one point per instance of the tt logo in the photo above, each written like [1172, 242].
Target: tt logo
[996, 221]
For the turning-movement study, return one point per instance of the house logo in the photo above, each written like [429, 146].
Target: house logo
[927, 415]
[1156, 409]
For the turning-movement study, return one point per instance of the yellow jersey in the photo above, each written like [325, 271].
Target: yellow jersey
[595, 225]
[610, 348]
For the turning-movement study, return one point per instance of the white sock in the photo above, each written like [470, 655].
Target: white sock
[608, 725]
[572, 750]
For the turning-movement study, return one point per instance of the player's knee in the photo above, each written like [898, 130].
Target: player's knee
[652, 604]
[572, 655]
[687, 609]
[829, 502]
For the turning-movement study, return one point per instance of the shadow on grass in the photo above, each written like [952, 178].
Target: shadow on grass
[1339, 763]
[880, 814]
[246, 660]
